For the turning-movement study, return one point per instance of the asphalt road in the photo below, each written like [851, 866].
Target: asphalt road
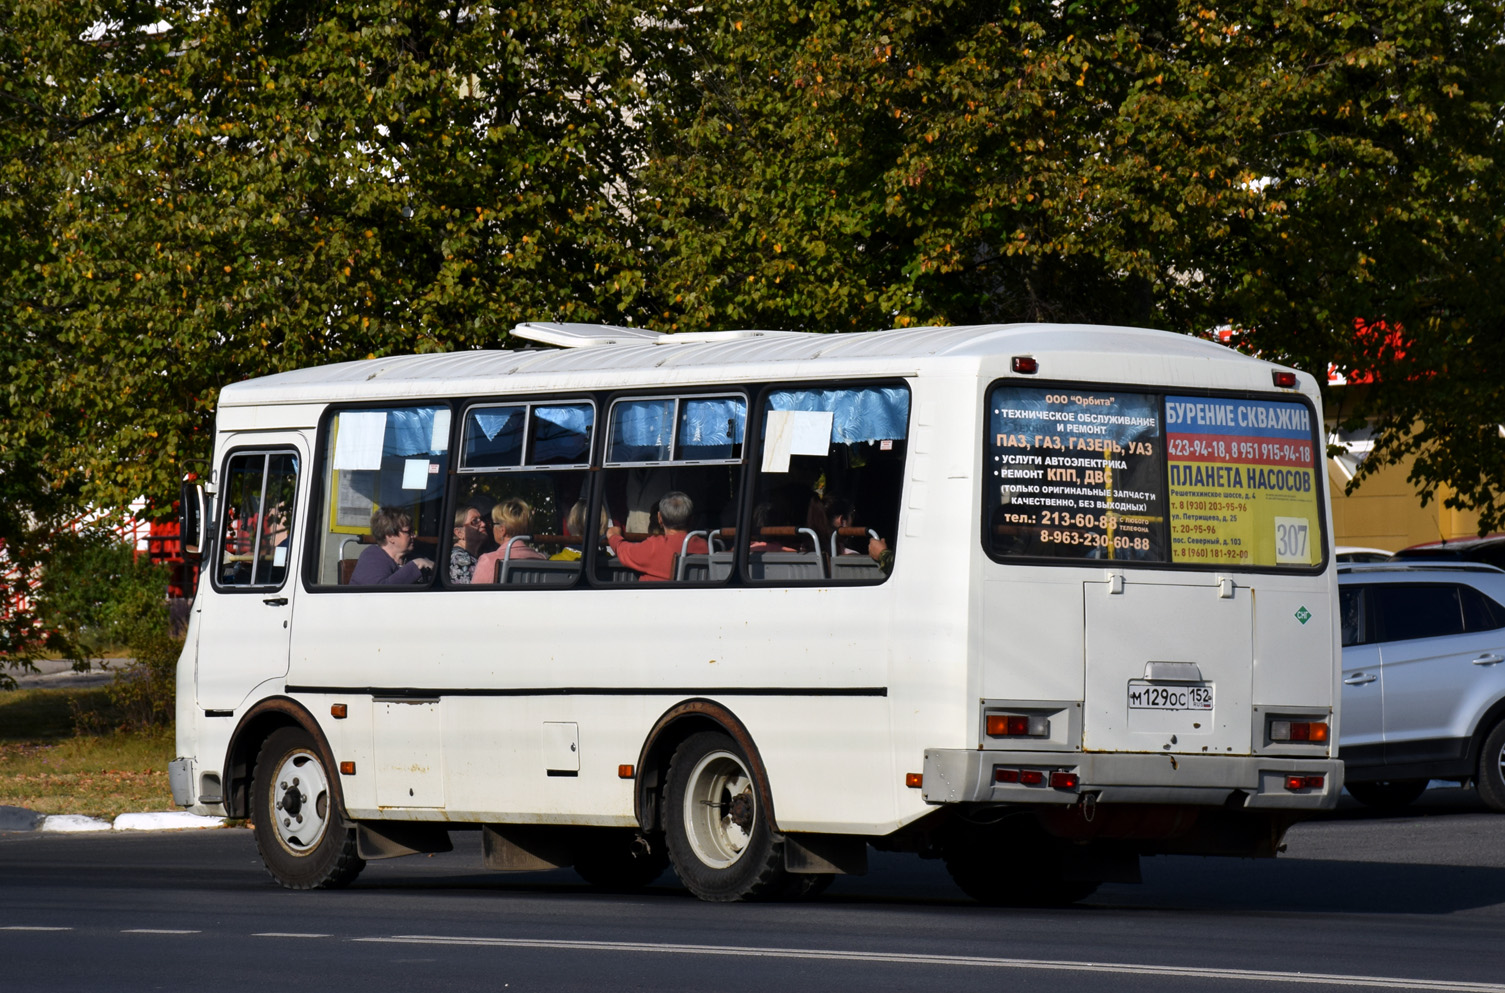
[1415, 901]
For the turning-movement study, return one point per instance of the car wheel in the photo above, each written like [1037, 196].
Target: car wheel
[300, 829]
[1492, 769]
[721, 843]
[1387, 794]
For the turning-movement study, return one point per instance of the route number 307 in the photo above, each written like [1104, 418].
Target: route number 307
[1291, 540]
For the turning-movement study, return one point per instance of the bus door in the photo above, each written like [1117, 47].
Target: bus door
[246, 613]
[1169, 666]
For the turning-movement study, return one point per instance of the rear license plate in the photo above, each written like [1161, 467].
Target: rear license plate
[1144, 695]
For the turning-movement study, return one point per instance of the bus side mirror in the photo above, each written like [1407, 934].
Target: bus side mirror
[193, 511]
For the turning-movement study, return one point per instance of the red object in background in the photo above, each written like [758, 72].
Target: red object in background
[164, 546]
[1381, 339]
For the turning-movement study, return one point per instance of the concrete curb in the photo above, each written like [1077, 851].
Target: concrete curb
[21, 819]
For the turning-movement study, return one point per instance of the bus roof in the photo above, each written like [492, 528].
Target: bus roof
[600, 356]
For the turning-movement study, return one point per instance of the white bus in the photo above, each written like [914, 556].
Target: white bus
[1033, 599]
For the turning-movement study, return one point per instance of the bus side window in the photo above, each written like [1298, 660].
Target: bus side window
[260, 489]
[524, 469]
[683, 455]
[390, 457]
[829, 484]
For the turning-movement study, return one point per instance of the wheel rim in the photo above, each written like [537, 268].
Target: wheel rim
[300, 802]
[721, 809]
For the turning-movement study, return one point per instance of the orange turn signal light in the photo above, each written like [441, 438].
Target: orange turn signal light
[347, 768]
[339, 711]
[914, 780]
[626, 771]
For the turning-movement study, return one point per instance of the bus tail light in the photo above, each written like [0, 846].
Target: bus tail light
[1025, 365]
[1018, 726]
[1036, 777]
[1312, 731]
[1294, 783]
[1284, 379]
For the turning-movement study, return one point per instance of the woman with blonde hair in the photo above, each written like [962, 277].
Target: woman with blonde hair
[510, 518]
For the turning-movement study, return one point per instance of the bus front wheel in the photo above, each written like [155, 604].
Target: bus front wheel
[720, 841]
[300, 830]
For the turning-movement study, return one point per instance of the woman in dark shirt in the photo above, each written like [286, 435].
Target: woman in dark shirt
[387, 562]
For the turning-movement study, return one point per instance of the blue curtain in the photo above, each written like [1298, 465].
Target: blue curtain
[494, 437]
[640, 431]
[875, 414]
[561, 434]
[711, 427]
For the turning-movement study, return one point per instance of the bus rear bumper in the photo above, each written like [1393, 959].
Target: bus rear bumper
[1252, 782]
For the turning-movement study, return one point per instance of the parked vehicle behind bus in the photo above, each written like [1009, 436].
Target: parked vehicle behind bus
[1034, 599]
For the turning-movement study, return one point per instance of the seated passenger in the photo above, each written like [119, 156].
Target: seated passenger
[574, 524]
[509, 519]
[471, 532]
[654, 556]
[762, 541]
[387, 562]
[840, 513]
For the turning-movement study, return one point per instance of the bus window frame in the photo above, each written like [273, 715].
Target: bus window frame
[600, 466]
[734, 393]
[754, 454]
[528, 405]
[222, 506]
[1160, 392]
[308, 565]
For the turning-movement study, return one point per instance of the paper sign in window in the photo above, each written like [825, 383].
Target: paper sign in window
[358, 442]
[415, 474]
[439, 437]
[795, 432]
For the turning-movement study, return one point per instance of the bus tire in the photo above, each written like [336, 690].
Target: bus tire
[1492, 769]
[300, 829]
[1011, 865]
[621, 860]
[1387, 794]
[720, 841]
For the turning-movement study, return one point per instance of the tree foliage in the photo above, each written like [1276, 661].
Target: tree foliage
[195, 193]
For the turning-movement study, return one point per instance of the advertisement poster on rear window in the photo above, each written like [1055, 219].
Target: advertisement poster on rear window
[1076, 474]
[1242, 482]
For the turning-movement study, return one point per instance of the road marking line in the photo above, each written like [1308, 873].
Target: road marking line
[157, 930]
[25, 927]
[1122, 968]
[286, 934]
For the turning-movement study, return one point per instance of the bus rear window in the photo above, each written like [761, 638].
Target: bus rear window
[1155, 478]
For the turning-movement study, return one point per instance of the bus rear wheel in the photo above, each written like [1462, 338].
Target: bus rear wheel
[300, 829]
[721, 843]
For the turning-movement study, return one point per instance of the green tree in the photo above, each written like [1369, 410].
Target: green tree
[240, 189]
[195, 193]
[1284, 168]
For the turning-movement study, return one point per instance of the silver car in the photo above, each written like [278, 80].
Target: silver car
[1423, 679]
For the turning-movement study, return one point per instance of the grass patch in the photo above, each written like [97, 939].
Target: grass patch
[46, 767]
